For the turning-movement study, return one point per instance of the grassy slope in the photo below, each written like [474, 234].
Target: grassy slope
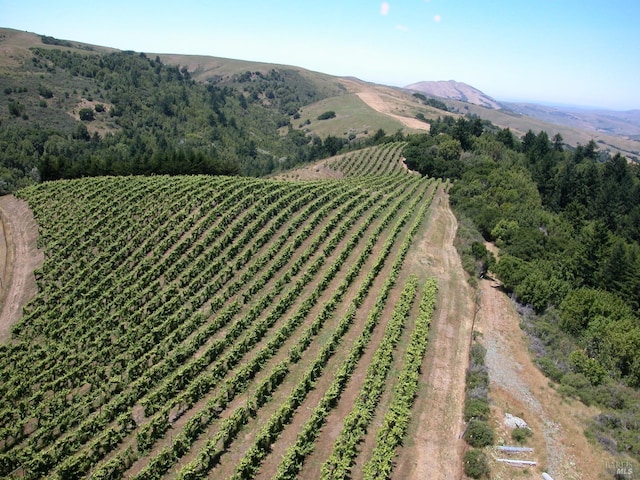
[352, 115]
[15, 45]
[520, 124]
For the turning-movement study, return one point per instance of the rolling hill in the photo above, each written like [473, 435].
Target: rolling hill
[314, 323]
[361, 107]
[218, 338]
[452, 90]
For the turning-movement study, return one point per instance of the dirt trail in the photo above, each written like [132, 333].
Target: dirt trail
[375, 101]
[433, 448]
[19, 256]
[385, 102]
[519, 388]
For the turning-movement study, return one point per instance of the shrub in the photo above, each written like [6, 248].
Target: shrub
[45, 92]
[476, 408]
[99, 108]
[15, 109]
[327, 115]
[475, 464]
[477, 354]
[477, 375]
[479, 434]
[86, 114]
[550, 369]
[521, 435]
[578, 386]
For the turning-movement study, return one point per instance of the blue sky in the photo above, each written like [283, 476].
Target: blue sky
[580, 52]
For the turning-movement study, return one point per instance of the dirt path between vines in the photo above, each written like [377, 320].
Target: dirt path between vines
[19, 256]
[433, 448]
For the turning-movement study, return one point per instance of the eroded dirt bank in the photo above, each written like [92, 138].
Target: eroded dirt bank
[19, 256]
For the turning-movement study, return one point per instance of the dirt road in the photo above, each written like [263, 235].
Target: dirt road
[386, 101]
[19, 256]
[375, 101]
[519, 388]
[433, 449]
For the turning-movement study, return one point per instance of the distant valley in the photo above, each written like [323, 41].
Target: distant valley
[610, 122]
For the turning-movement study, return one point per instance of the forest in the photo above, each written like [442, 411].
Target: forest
[135, 115]
[567, 223]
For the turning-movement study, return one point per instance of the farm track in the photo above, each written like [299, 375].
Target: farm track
[192, 327]
[434, 449]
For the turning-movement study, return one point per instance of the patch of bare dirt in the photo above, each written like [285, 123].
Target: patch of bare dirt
[318, 171]
[384, 100]
[519, 388]
[433, 448]
[381, 105]
[99, 124]
[19, 256]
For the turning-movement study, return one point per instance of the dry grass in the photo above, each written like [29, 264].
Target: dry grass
[519, 388]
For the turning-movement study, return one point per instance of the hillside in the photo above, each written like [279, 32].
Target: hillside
[317, 322]
[452, 90]
[241, 303]
[69, 109]
[244, 324]
[620, 123]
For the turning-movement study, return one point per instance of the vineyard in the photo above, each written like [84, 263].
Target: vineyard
[221, 327]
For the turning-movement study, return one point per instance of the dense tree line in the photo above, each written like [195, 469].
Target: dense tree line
[432, 102]
[284, 89]
[567, 222]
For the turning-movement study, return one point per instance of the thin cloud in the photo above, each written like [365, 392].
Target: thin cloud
[402, 28]
[384, 8]
[437, 18]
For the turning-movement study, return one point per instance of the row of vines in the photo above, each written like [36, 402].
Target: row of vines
[190, 327]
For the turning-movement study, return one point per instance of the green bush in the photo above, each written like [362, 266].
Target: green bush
[476, 408]
[477, 354]
[550, 369]
[521, 435]
[477, 376]
[475, 464]
[479, 434]
[578, 386]
[45, 91]
[86, 114]
[327, 115]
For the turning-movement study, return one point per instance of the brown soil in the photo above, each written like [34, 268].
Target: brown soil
[19, 256]
[385, 100]
[433, 448]
[317, 171]
[519, 388]
[376, 101]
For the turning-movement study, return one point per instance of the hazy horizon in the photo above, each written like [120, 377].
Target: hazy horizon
[580, 53]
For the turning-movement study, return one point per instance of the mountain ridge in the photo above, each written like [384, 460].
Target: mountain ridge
[454, 90]
[396, 107]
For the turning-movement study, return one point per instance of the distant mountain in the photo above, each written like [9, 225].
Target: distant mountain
[455, 91]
